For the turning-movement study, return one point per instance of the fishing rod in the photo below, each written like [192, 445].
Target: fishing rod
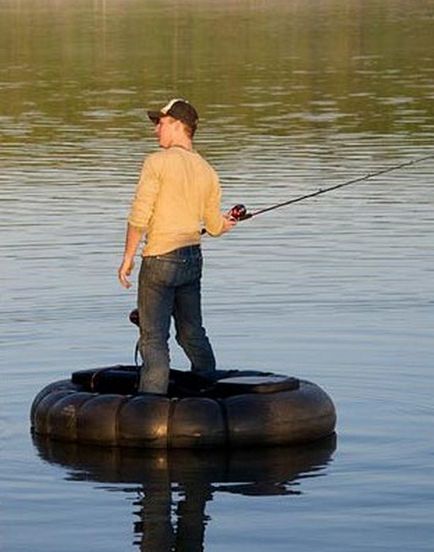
[239, 212]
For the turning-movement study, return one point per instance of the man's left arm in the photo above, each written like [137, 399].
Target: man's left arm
[132, 241]
[138, 219]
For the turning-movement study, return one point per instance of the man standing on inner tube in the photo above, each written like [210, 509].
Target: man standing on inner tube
[178, 193]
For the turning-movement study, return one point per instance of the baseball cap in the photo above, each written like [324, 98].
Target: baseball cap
[179, 109]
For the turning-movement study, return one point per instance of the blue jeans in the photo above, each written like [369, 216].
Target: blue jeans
[169, 285]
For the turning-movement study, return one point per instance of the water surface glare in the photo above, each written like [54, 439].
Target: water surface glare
[294, 97]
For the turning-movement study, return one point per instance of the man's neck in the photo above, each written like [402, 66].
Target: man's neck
[183, 146]
[182, 142]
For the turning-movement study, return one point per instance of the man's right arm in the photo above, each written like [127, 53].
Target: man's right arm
[216, 223]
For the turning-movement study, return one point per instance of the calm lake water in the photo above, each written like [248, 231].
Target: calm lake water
[339, 290]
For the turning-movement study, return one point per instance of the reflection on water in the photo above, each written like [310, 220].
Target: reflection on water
[178, 483]
[70, 71]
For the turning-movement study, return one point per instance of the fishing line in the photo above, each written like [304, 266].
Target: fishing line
[239, 212]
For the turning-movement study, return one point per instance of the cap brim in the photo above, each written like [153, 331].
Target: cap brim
[155, 116]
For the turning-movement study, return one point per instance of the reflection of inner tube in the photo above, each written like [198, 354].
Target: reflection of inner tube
[240, 409]
[172, 487]
[245, 471]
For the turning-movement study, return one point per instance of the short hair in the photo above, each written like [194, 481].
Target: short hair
[189, 130]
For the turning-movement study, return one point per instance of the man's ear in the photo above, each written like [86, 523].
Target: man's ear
[179, 124]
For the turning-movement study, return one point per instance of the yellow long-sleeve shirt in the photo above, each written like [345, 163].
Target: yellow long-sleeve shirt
[178, 193]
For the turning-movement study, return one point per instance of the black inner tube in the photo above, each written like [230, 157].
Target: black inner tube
[123, 379]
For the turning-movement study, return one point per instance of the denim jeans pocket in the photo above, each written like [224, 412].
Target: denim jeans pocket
[176, 268]
[165, 271]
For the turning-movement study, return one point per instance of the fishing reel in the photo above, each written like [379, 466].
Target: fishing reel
[134, 317]
[239, 212]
